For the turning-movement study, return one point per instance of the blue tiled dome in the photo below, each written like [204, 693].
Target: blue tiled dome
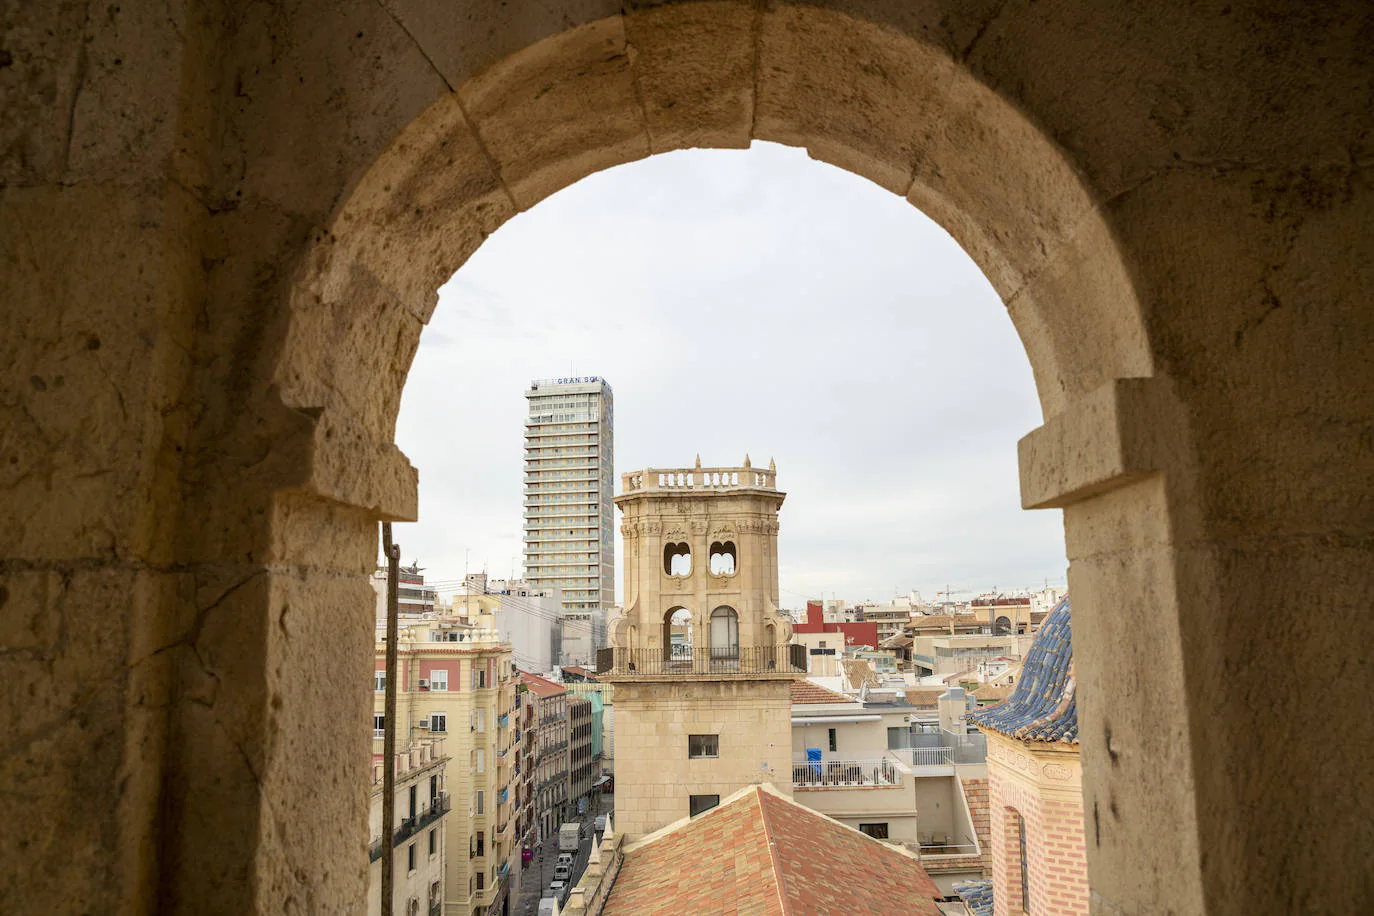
[1043, 706]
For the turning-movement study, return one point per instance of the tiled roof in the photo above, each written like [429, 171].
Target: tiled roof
[542, 687]
[924, 697]
[763, 854]
[858, 672]
[989, 693]
[1042, 707]
[977, 894]
[804, 692]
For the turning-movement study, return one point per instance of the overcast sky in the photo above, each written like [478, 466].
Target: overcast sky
[742, 301]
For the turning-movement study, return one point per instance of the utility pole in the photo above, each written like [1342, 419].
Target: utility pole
[393, 572]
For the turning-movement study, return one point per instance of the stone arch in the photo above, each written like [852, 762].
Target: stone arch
[570, 105]
[1002, 626]
[213, 266]
[856, 93]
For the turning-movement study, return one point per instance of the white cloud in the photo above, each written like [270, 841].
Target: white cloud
[743, 301]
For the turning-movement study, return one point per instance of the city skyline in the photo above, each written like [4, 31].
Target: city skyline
[750, 333]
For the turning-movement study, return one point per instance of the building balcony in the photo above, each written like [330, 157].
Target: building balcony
[938, 754]
[845, 774]
[684, 661]
[412, 825]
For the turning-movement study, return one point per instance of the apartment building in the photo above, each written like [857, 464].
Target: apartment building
[891, 618]
[527, 740]
[418, 830]
[891, 767]
[551, 764]
[581, 763]
[456, 681]
[569, 519]
[413, 597]
[528, 617]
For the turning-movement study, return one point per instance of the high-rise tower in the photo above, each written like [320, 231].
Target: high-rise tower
[700, 655]
[569, 463]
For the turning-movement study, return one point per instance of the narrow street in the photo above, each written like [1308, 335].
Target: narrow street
[537, 875]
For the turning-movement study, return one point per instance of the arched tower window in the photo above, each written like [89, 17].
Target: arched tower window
[1002, 627]
[724, 634]
[677, 635]
[721, 561]
[677, 559]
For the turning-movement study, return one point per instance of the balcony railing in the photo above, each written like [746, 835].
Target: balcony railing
[943, 749]
[412, 825]
[931, 756]
[846, 773]
[685, 661]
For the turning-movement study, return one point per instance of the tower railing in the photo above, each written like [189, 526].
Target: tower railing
[688, 661]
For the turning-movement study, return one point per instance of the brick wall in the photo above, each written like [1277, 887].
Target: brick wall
[1055, 854]
[976, 793]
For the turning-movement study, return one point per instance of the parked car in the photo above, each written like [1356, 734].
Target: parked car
[601, 823]
[562, 871]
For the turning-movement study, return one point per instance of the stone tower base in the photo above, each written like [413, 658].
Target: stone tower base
[752, 719]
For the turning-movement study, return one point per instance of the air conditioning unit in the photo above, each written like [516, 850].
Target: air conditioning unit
[424, 723]
[424, 684]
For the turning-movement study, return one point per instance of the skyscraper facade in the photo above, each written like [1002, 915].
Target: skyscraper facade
[569, 463]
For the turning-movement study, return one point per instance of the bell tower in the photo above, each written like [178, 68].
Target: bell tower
[700, 655]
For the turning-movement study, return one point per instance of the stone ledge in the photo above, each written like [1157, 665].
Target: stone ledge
[1109, 438]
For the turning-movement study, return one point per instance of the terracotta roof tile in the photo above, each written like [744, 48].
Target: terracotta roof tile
[859, 672]
[804, 692]
[763, 854]
[541, 686]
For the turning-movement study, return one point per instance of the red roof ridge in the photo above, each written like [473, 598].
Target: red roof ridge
[778, 880]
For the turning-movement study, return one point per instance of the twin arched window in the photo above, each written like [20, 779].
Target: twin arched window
[722, 558]
[677, 559]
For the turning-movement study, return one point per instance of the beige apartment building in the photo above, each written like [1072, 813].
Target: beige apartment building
[456, 682]
[891, 618]
[418, 831]
[581, 766]
[701, 660]
[551, 757]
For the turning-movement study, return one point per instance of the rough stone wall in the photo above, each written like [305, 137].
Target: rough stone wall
[221, 231]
